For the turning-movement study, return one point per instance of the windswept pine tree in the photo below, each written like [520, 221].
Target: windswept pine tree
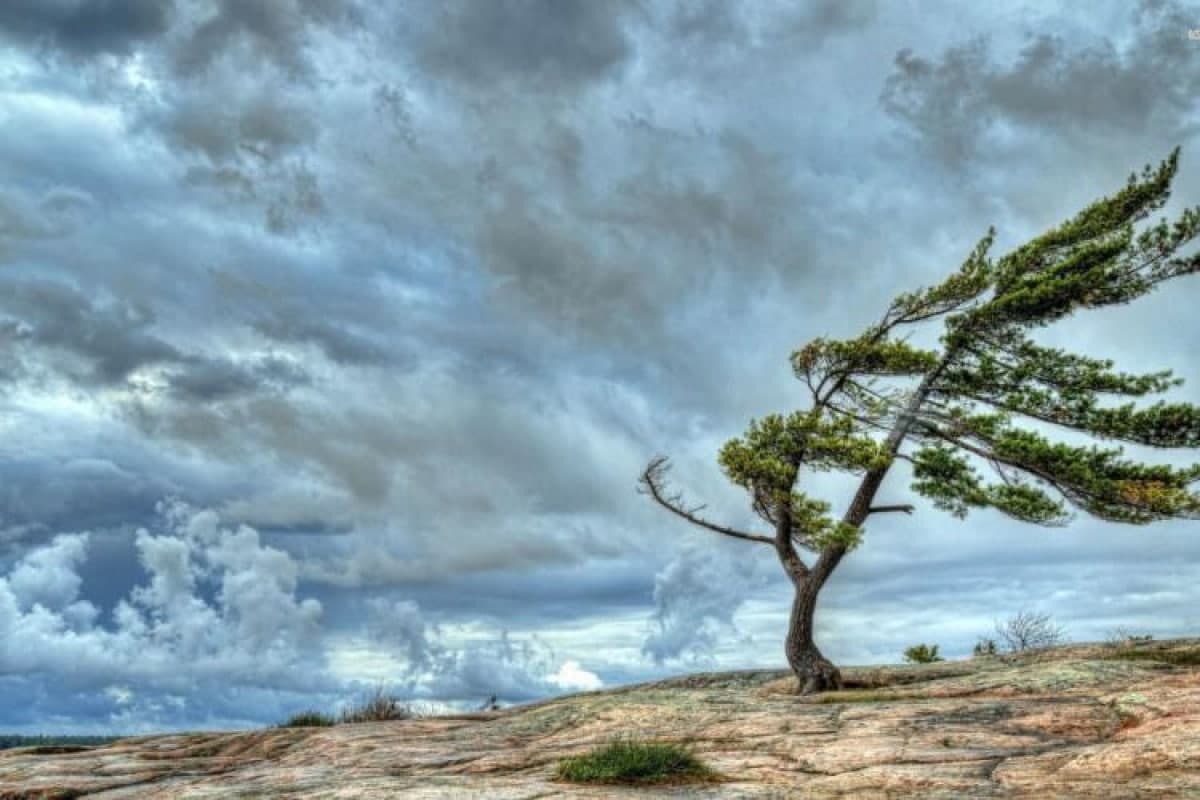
[952, 411]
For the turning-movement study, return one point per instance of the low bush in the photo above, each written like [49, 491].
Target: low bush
[308, 719]
[1124, 637]
[629, 761]
[922, 654]
[984, 647]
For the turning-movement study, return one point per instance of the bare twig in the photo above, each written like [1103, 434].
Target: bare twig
[652, 483]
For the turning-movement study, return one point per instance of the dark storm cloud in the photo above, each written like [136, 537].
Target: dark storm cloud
[107, 342]
[339, 344]
[263, 125]
[712, 21]
[51, 214]
[205, 380]
[113, 340]
[608, 265]
[1055, 85]
[74, 494]
[253, 29]
[552, 43]
[820, 19]
[85, 28]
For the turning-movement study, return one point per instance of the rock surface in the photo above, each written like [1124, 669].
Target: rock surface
[1084, 721]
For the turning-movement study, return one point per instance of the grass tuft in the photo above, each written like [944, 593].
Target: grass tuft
[629, 761]
[308, 719]
[378, 706]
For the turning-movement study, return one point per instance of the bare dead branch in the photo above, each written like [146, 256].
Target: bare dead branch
[652, 482]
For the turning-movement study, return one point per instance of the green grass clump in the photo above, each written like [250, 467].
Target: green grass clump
[629, 761]
[1185, 658]
[308, 719]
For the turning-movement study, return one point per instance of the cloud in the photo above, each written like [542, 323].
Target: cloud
[959, 103]
[111, 340]
[218, 615]
[218, 611]
[252, 29]
[111, 344]
[49, 576]
[545, 43]
[509, 669]
[215, 635]
[45, 494]
[85, 28]
[696, 597]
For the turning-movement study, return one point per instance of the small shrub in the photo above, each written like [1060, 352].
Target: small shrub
[922, 654]
[629, 761]
[1030, 630]
[984, 647]
[308, 719]
[378, 706]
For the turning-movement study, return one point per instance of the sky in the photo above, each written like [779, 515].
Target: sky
[335, 334]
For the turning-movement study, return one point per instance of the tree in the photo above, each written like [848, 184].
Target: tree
[1030, 630]
[876, 400]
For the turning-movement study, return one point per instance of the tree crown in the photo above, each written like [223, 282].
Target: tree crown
[987, 377]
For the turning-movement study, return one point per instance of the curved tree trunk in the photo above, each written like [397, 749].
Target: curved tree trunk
[814, 673]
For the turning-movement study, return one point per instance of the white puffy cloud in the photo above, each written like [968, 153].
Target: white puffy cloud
[49, 575]
[436, 664]
[218, 610]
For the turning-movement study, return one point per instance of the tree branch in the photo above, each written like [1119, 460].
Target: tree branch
[652, 483]
[907, 508]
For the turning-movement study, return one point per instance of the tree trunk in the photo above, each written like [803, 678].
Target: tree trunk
[814, 673]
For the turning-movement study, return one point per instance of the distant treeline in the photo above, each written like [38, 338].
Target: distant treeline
[7, 741]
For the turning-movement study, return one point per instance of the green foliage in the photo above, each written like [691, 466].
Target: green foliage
[967, 284]
[922, 654]
[988, 374]
[948, 479]
[867, 355]
[627, 761]
[308, 719]
[766, 460]
[959, 408]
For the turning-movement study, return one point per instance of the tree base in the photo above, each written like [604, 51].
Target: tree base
[815, 673]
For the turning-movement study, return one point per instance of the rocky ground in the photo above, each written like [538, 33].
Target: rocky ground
[1084, 721]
